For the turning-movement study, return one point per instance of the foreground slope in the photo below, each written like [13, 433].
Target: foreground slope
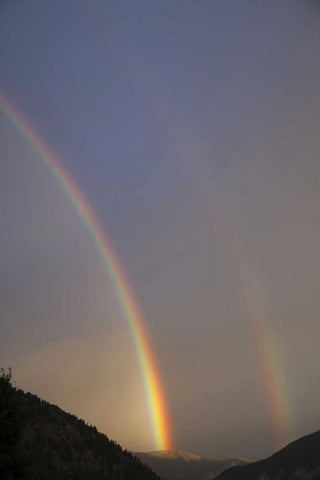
[177, 465]
[300, 460]
[39, 441]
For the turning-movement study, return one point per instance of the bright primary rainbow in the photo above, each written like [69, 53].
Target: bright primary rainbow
[153, 385]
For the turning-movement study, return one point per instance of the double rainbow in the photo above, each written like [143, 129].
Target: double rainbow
[276, 392]
[152, 381]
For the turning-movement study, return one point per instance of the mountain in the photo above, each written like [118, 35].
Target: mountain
[178, 465]
[39, 441]
[300, 460]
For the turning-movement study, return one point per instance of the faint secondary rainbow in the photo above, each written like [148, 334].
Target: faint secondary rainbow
[268, 352]
[274, 381]
[274, 384]
[153, 386]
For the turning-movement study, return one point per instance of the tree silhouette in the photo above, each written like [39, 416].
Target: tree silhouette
[11, 462]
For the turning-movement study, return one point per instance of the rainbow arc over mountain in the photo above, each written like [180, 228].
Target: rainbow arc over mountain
[276, 393]
[154, 389]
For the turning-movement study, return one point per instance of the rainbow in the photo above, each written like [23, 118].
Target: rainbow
[276, 393]
[272, 374]
[268, 352]
[152, 381]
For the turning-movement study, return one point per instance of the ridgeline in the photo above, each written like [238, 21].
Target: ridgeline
[300, 460]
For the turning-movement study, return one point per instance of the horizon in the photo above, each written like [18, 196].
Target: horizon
[155, 453]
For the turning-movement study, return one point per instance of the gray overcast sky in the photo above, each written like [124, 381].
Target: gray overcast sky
[193, 129]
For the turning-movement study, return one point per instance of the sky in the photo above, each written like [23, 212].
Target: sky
[192, 129]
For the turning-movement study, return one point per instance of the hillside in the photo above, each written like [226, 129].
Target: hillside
[39, 441]
[300, 460]
[177, 465]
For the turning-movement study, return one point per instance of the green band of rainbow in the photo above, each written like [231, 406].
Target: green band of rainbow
[153, 385]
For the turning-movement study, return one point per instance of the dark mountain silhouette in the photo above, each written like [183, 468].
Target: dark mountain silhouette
[39, 441]
[300, 460]
[177, 465]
